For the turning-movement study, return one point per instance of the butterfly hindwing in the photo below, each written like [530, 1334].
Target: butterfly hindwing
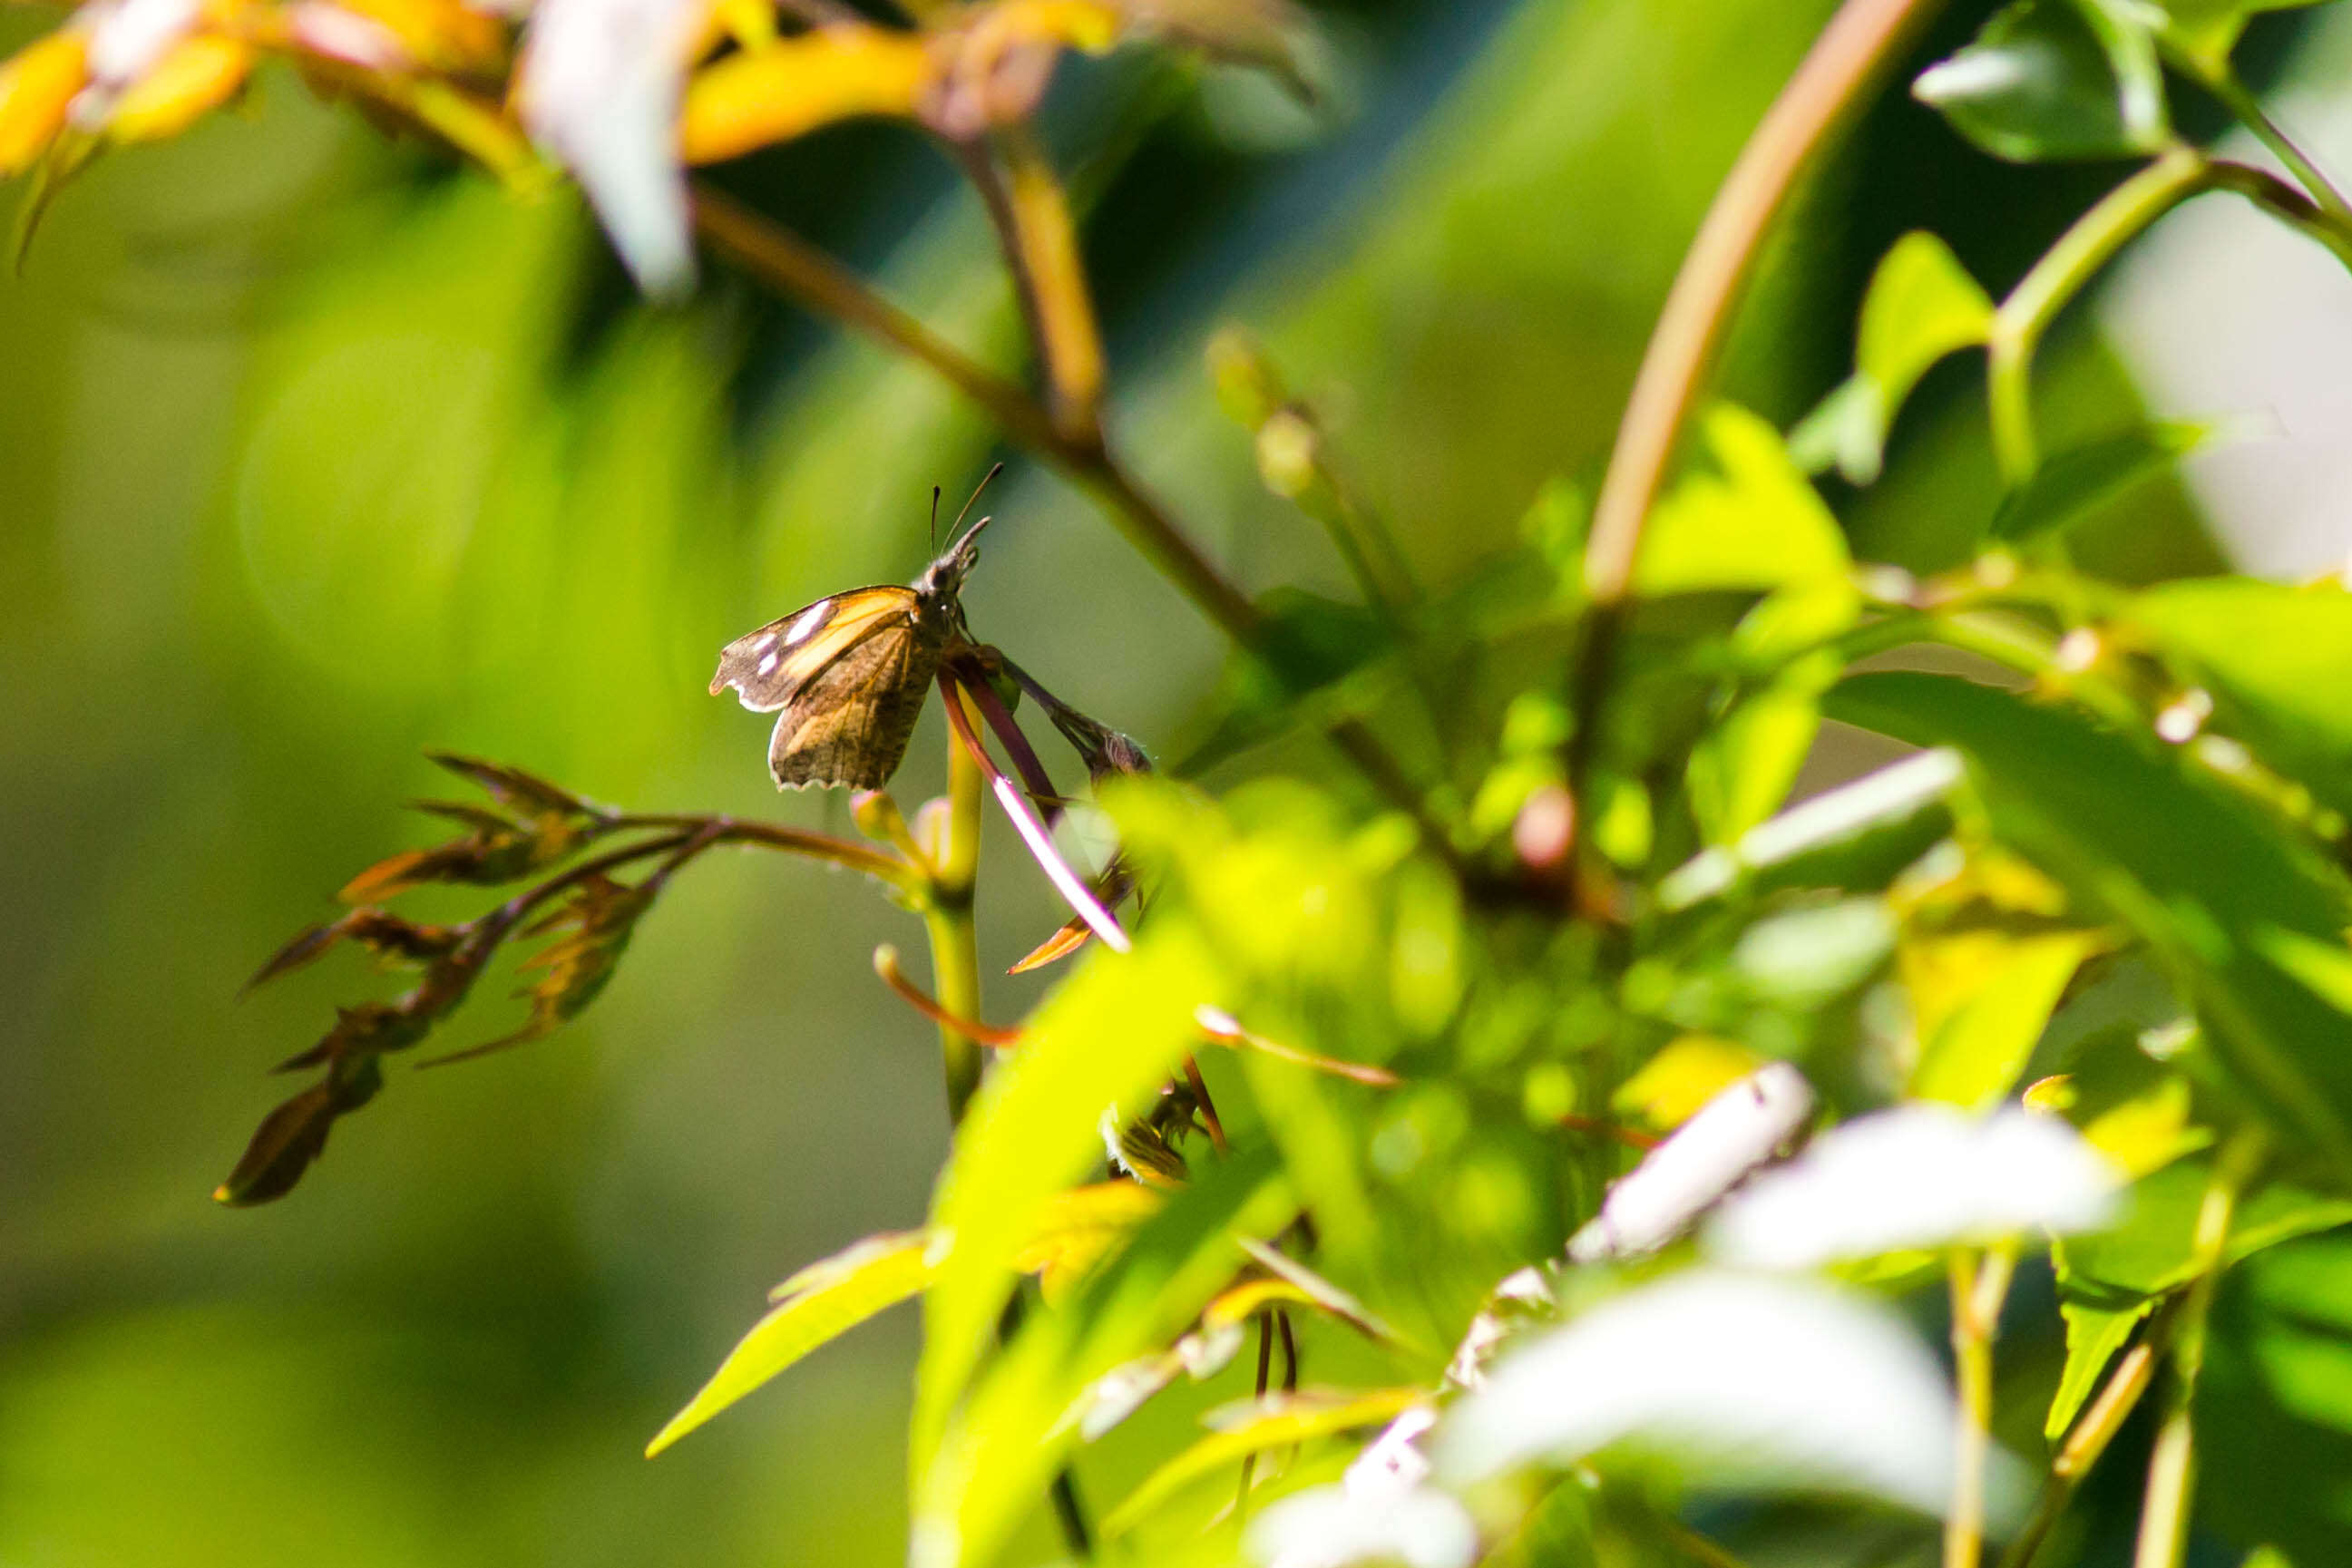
[850, 722]
[768, 667]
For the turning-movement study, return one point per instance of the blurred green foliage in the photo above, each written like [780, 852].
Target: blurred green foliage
[318, 452]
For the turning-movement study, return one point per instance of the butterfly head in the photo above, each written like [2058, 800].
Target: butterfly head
[943, 580]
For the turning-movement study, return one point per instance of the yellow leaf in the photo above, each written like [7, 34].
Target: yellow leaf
[1086, 25]
[1080, 1228]
[1685, 1074]
[1981, 1000]
[762, 97]
[439, 33]
[817, 1305]
[34, 89]
[198, 74]
[1276, 1421]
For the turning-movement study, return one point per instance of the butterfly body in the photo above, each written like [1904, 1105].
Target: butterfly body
[847, 675]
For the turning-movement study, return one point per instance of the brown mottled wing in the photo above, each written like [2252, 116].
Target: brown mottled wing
[768, 667]
[849, 723]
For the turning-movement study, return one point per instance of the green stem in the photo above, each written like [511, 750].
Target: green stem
[2097, 1427]
[2218, 78]
[1977, 1291]
[1859, 43]
[955, 938]
[955, 980]
[2172, 1469]
[2055, 279]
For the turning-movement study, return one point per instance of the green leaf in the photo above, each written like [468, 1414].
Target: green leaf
[2154, 1249]
[814, 1307]
[2276, 656]
[2208, 31]
[2188, 866]
[1278, 1421]
[1743, 767]
[2073, 485]
[1977, 1049]
[998, 1452]
[1749, 522]
[1106, 1039]
[2094, 1335]
[2053, 80]
[1854, 837]
[2275, 1401]
[1921, 305]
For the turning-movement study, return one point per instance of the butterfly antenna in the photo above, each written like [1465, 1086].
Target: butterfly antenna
[935, 518]
[976, 489]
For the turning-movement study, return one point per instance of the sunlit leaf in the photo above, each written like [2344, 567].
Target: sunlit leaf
[2153, 1248]
[2209, 29]
[1984, 965]
[2190, 867]
[1913, 1177]
[1855, 836]
[2274, 655]
[760, 97]
[199, 74]
[36, 87]
[1747, 521]
[1117, 1027]
[2053, 80]
[1685, 1073]
[1338, 1526]
[998, 1451]
[2138, 1110]
[815, 1307]
[1754, 1382]
[1922, 305]
[2094, 1335]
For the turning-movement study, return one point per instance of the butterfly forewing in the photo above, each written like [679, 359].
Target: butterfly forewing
[849, 723]
[768, 667]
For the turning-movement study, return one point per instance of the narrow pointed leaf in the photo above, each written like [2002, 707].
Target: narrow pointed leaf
[815, 1307]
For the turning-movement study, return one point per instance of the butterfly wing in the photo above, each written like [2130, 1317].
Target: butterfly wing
[770, 666]
[849, 723]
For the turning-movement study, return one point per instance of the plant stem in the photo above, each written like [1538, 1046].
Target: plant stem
[2055, 279]
[947, 915]
[2172, 1469]
[1977, 1291]
[955, 981]
[1043, 242]
[2219, 80]
[2118, 1398]
[790, 266]
[1860, 42]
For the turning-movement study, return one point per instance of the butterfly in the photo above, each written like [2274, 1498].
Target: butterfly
[850, 670]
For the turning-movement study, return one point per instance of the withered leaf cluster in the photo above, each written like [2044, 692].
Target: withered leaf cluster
[531, 827]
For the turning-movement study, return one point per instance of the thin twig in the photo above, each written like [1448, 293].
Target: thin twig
[789, 264]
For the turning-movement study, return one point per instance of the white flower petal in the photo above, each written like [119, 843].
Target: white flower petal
[1331, 1527]
[600, 86]
[1753, 1380]
[1916, 1176]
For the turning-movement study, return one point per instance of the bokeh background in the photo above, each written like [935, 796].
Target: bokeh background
[315, 453]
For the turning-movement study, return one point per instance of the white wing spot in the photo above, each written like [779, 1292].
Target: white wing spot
[769, 662]
[765, 643]
[811, 619]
